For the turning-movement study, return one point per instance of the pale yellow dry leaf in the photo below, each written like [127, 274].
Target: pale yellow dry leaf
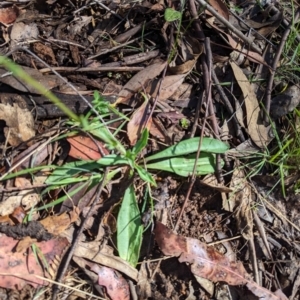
[20, 124]
[257, 131]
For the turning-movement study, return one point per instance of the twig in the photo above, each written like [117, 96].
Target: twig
[237, 32]
[211, 107]
[97, 69]
[267, 102]
[78, 235]
[116, 48]
[228, 105]
[253, 258]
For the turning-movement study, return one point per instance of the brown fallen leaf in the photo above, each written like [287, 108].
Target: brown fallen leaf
[17, 269]
[168, 86]
[138, 122]
[257, 131]
[19, 122]
[84, 148]
[139, 81]
[58, 224]
[206, 262]
[116, 286]
[45, 53]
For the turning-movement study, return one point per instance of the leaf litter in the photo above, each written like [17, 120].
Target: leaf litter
[154, 64]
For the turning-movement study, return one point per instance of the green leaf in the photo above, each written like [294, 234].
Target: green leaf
[113, 160]
[146, 176]
[129, 228]
[141, 143]
[67, 172]
[184, 166]
[190, 146]
[172, 15]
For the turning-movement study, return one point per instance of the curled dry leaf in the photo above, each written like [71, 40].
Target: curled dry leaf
[138, 122]
[207, 262]
[84, 148]
[257, 131]
[139, 81]
[116, 286]
[17, 269]
[26, 198]
[19, 122]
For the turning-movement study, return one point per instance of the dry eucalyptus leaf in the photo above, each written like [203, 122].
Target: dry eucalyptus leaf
[258, 132]
[19, 122]
[169, 86]
[138, 122]
[139, 81]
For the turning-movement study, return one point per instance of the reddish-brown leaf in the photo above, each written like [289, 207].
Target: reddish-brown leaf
[84, 148]
[207, 262]
[138, 122]
[116, 286]
[17, 269]
[9, 14]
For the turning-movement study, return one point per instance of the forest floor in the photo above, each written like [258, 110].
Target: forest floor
[149, 149]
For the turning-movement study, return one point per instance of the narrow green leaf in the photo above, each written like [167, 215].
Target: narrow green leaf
[190, 146]
[146, 176]
[141, 143]
[102, 132]
[113, 160]
[184, 166]
[172, 15]
[67, 172]
[129, 228]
